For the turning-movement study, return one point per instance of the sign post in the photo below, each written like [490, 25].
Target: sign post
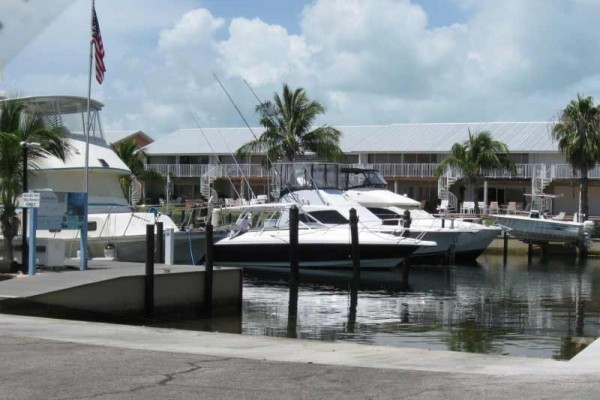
[30, 204]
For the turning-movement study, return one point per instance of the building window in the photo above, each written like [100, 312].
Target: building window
[162, 160]
[519, 158]
[410, 158]
[351, 158]
[193, 159]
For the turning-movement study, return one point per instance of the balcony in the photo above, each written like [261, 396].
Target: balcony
[523, 171]
[214, 170]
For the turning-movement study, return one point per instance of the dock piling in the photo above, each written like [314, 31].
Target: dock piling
[160, 243]
[352, 309]
[505, 249]
[294, 274]
[405, 272]
[355, 251]
[208, 267]
[149, 278]
[294, 253]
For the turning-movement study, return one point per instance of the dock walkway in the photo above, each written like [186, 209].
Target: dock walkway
[118, 287]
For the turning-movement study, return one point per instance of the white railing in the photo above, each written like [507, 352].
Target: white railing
[407, 170]
[565, 171]
[523, 171]
[216, 170]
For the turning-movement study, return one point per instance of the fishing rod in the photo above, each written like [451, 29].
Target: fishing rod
[244, 178]
[271, 120]
[213, 150]
[245, 121]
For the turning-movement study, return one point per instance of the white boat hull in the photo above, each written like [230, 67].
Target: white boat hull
[318, 248]
[546, 230]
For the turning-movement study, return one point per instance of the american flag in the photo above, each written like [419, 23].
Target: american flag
[98, 47]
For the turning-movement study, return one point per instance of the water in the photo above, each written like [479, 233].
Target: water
[546, 309]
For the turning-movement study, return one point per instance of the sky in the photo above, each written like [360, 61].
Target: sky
[367, 61]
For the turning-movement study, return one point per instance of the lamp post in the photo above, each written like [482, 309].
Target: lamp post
[24, 248]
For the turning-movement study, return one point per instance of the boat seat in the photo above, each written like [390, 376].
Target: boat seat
[560, 216]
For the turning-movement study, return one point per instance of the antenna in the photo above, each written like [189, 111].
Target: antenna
[213, 150]
[237, 165]
[245, 121]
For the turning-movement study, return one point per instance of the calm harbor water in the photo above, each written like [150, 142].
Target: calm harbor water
[544, 309]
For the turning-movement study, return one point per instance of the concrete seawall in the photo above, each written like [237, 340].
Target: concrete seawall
[118, 288]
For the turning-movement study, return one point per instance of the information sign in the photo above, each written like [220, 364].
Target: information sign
[30, 200]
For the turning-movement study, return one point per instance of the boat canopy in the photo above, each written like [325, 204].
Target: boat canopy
[67, 111]
[307, 175]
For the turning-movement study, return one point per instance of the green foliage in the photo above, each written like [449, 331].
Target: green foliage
[578, 134]
[129, 153]
[289, 134]
[474, 158]
[17, 126]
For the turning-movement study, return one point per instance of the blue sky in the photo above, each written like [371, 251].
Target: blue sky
[367, 61]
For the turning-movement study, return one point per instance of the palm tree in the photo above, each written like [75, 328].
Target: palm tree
[289, 134]
[474, 158]
[129, 153]
[17, 126]
[578, 135]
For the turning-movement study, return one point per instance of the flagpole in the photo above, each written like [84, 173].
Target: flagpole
[83, 254]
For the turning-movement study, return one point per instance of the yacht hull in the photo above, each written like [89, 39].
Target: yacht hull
[316, 250]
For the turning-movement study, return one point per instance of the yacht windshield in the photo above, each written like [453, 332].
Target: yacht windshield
[365, 178]
[324, 217]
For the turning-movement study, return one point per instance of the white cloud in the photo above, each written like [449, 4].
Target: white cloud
[262, 53]
[367, 61]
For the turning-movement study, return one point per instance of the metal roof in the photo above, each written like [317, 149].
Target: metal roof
[520, 137]
[202, 141]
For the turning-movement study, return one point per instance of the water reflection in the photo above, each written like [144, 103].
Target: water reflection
[546, 308]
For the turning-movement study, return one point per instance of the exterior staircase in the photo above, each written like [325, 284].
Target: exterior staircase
[444, 183]
[205, 182]
[540, 181]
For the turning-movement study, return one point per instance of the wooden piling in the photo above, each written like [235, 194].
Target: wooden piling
[505, 249]
[352, 310]
[529, 252]
[208, 269]
[405, 272]
[149, 277]
[294, 253]
[294, 274]
[292, 324]
[355, 251]
[160, 243]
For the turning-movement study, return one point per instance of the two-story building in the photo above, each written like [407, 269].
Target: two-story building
[406, 154]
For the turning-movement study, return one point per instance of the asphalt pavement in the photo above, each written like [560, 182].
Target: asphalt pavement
[58, 359]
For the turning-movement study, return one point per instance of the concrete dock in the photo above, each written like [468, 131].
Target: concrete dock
[118, 288]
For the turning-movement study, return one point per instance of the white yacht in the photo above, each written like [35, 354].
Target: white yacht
[318, 183]
[264, 242]
[110, 217]
[368, 188]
